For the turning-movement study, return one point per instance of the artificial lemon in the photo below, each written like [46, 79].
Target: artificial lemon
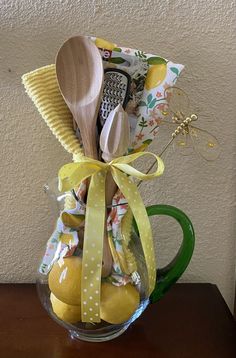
[72, 221]
[155, 75]
[66, 239]
[101, 43]
[67, 313]
[118, 303]
[64, 280]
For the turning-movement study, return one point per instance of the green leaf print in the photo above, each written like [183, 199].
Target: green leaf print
[117, 60]
[117, 49]
[147, 141]
[175, 70]
[143, 123]
[152, 103]
[156, 61]
[141, 55]
[149, 98]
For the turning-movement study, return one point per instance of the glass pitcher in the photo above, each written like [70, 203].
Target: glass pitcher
[58, 284]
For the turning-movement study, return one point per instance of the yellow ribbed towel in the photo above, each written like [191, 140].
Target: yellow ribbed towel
[42, 87]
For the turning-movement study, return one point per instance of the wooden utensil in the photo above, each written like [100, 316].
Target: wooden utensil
[114, 141]
[80, 77]
[115, 135]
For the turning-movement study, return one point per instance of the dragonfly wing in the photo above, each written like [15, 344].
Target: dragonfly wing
[183, 144]
[204, 143]
[178, 102]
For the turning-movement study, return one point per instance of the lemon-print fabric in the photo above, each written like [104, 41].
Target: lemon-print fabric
[161, 74]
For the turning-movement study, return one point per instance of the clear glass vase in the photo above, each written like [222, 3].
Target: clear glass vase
[59, 283]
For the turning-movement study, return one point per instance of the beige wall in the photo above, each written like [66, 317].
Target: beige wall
[199, 34]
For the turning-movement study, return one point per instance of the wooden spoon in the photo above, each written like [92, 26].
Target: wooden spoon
[80, 77]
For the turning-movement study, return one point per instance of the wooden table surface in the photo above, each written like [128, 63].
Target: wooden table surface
[192, 320]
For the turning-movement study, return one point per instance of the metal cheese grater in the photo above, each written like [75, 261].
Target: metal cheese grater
[116, 91]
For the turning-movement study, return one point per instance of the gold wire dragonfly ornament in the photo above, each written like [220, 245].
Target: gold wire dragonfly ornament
[187, 137]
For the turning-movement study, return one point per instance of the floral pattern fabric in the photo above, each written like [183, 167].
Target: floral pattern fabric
[156, 75]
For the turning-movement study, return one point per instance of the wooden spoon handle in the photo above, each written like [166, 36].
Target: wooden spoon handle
[107, 257]
[111, 189]
[88, 130]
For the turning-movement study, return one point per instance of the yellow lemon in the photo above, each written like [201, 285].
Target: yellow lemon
[155, 76]
[64, 280]
[67, 313]
[101, 43]
[72, 221]
[66, 239]
[118, 303]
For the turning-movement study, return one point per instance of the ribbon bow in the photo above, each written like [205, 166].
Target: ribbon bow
[70, 176]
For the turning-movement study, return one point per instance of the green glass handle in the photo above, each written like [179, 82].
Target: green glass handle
[169, 274]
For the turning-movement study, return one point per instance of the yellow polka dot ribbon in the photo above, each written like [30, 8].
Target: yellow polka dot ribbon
[70, 175]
